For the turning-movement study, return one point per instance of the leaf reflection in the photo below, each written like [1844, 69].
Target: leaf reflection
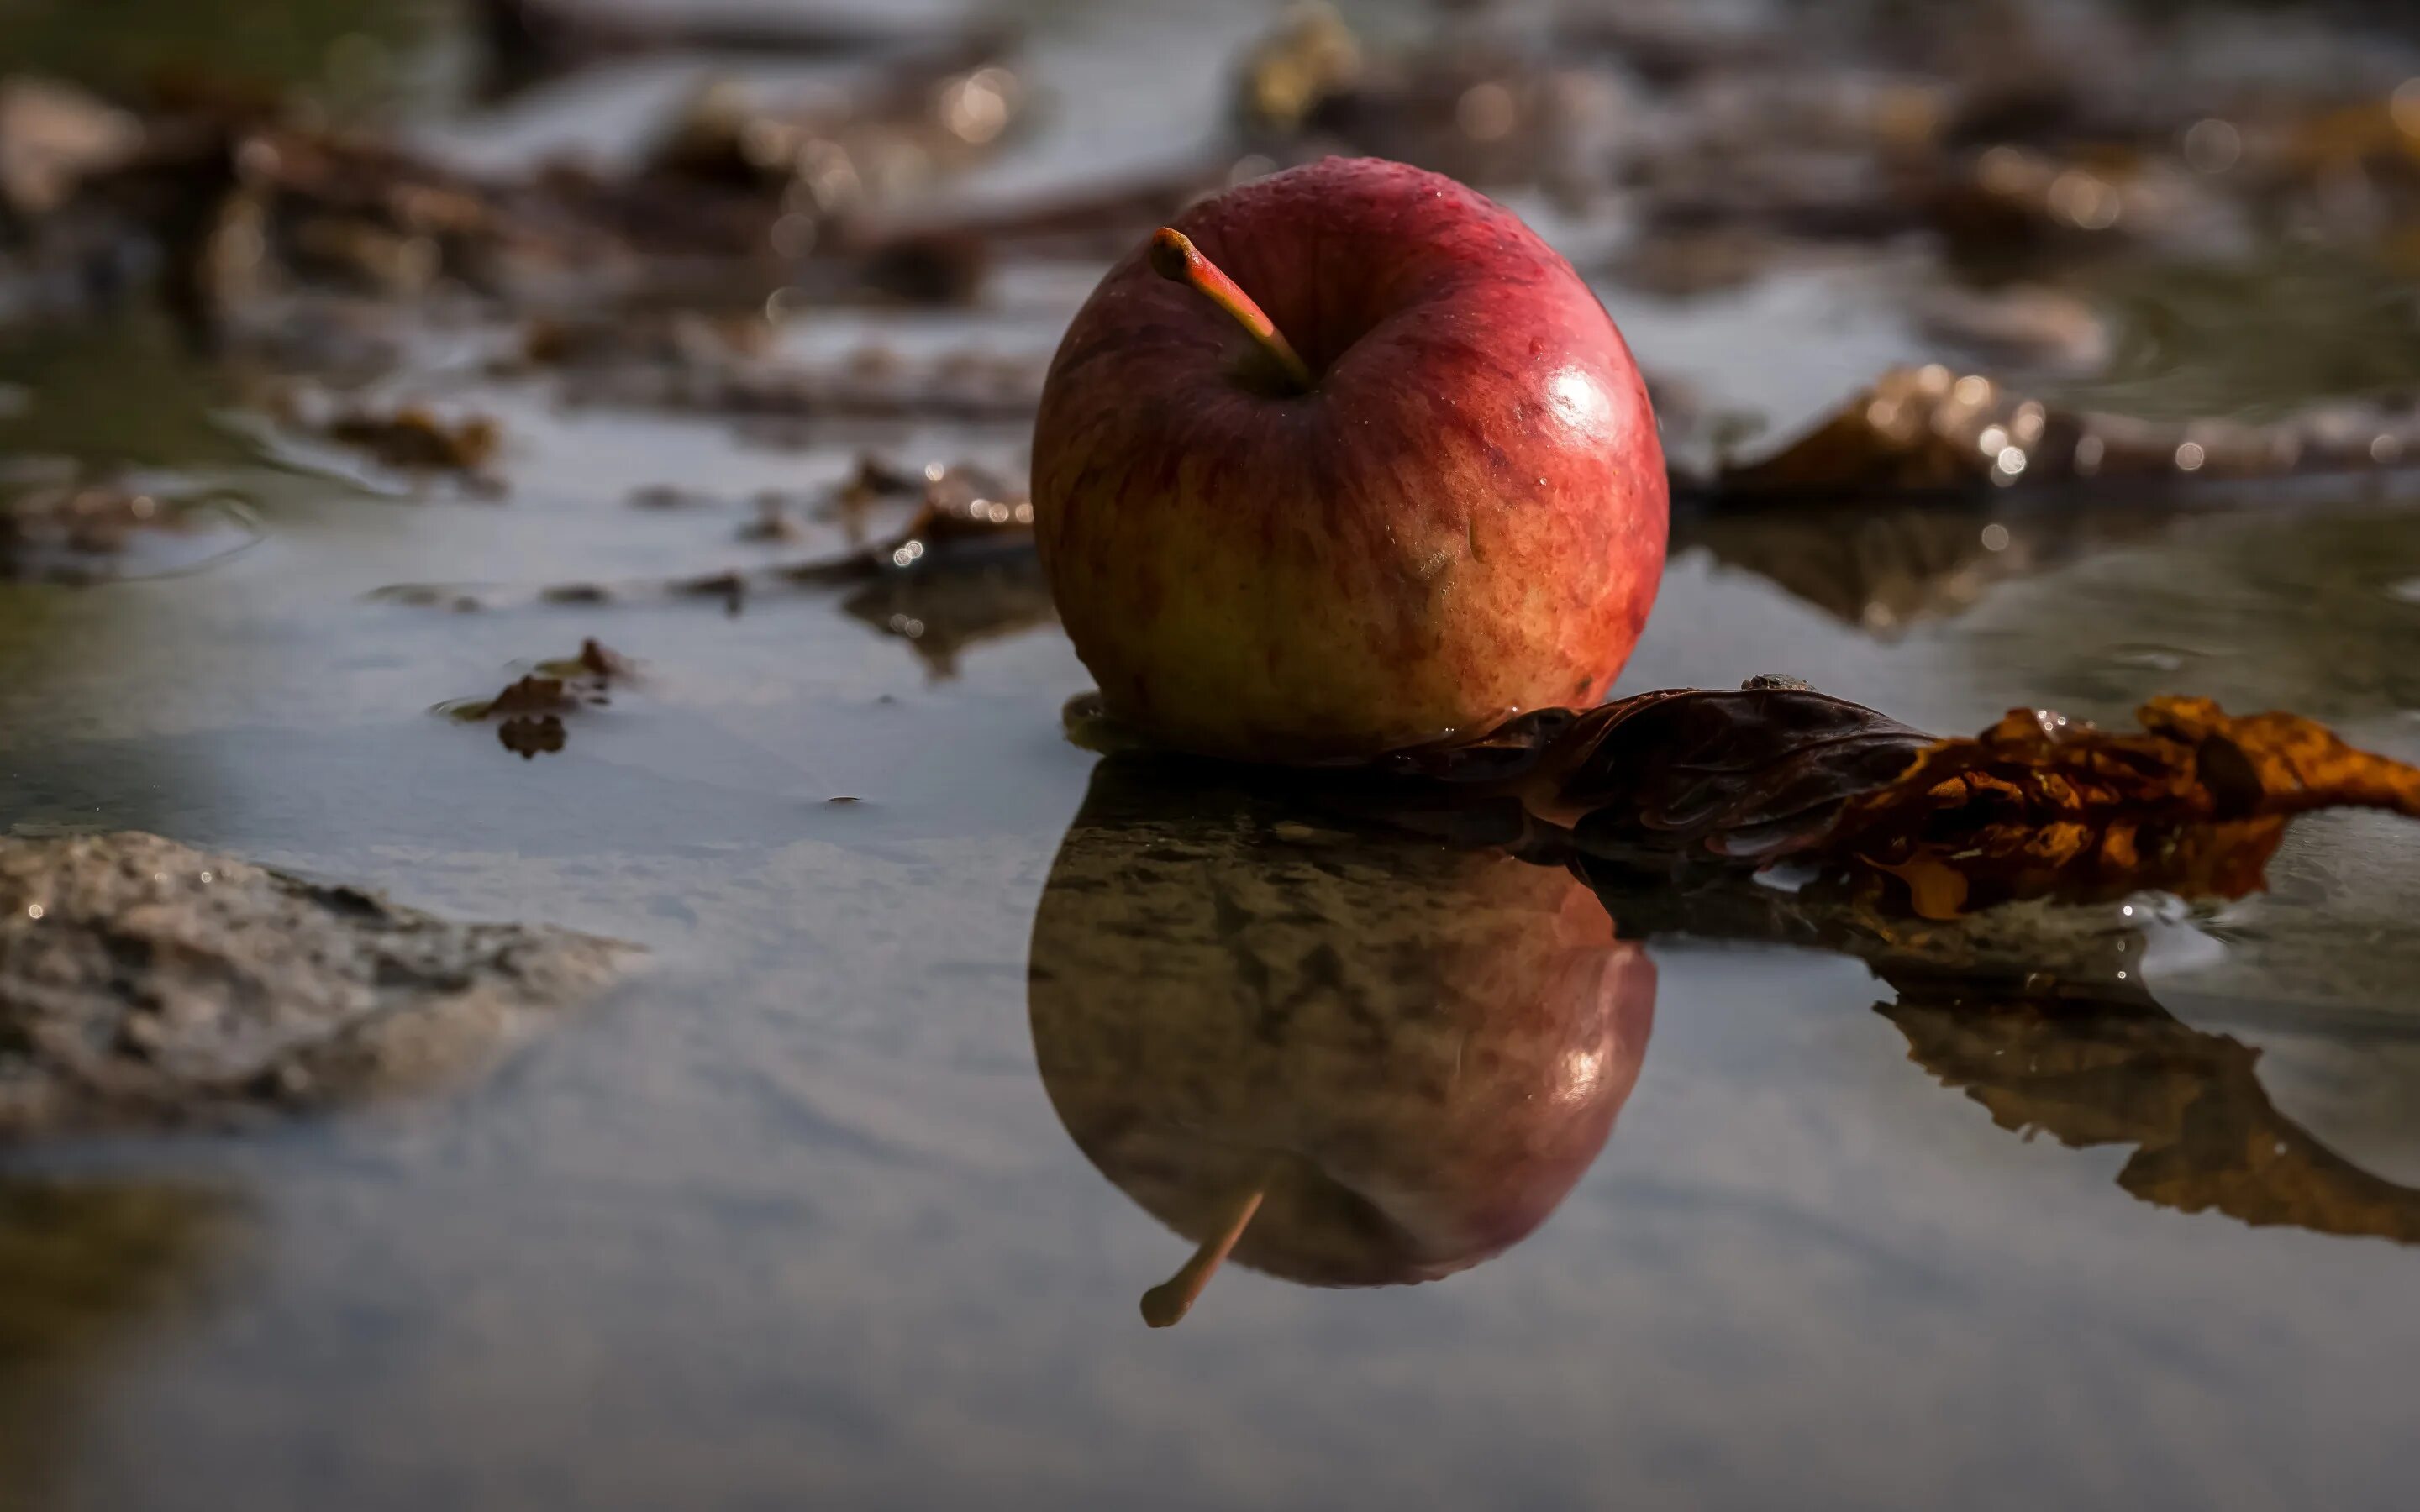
[2112, 1067]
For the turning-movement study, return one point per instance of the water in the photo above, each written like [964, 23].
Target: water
[793, 1218]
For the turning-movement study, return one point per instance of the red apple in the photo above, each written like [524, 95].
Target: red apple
[1449, 507]
[1348, 1061]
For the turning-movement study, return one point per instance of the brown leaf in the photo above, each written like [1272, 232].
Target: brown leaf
[1747, 776]
[2037, 806]
[532, 709]
[2042, 805]
[416, 440]
[596, 664]
[532, 695]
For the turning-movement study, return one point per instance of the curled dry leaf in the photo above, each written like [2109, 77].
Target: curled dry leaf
[2036, 807]
[1746, 776]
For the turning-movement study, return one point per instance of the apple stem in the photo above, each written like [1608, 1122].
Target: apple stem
[1174, 258]
[1166, 1304]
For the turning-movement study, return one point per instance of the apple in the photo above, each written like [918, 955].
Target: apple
[1345, 460]
[1348, 1061]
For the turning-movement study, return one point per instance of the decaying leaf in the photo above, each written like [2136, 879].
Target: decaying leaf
[530, 711]
[1743, 775]
[1927, 430]
[2040, 805]
[415, 439]
[2037, 806]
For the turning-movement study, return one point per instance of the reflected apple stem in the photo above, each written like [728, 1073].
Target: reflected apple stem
[1174, 258]
[1166, 1304]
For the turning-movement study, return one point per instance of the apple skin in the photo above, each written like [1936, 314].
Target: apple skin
[1415, 1051]
[1463, 518]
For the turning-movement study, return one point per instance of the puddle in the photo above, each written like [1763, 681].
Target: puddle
[827, 1209]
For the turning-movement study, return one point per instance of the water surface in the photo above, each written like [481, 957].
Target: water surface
[793, 1219]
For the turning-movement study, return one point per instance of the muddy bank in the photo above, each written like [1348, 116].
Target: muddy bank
[144, 983]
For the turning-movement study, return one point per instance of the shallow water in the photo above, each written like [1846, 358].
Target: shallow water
[793, 1218]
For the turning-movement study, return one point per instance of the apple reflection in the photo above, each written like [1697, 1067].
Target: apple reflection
[1341, 1059]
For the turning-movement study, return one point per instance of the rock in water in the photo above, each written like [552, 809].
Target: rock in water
[144, 984]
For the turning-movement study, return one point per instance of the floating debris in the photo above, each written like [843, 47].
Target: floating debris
[531, 710]
[414, 439]
[962, 568]
[2039, 806]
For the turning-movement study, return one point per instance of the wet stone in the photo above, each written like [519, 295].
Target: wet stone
[147, 984]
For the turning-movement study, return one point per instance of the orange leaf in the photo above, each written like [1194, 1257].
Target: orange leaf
[2037, 806]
